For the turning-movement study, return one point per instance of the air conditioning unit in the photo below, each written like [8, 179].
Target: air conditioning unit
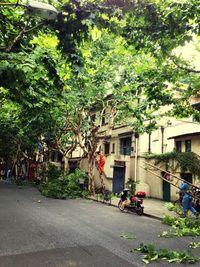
[42, 10]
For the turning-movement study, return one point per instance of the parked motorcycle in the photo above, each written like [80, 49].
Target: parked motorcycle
[133, 203]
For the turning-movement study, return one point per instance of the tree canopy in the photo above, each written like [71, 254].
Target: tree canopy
[54, 74]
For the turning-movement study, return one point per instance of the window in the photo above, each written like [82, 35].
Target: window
[107, 148]
[187, 177]
[178, 146]
[93, 118]
[53, 155]
[125, 146]
[187, 145]
[60, 157]
[113, 148]
[104, 118]
[73, 165]
[166, 175]
[195, 118]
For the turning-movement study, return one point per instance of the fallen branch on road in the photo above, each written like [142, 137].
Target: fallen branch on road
[151, 254]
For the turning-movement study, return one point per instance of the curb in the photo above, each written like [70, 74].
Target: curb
[113, 205]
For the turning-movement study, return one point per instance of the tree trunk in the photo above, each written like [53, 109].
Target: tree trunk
[66, 164]
[16, 171]
[102, 182]
[91, 168]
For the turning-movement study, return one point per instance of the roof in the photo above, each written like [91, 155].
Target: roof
[185, 135]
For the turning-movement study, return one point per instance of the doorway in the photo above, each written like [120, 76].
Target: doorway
[166, 188]
[118, 179]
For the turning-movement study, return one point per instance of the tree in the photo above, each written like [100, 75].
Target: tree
[28, 82]
[159, 28]
[102, 48]
[153, 29]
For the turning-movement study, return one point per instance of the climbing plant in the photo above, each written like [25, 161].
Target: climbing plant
[186, 161]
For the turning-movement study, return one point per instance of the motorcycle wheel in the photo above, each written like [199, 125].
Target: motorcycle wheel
[139, 211]
[120, 206]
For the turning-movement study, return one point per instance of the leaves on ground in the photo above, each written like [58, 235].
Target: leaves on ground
[181, 227]
[127, 236]
[194, 245]
[152, 254]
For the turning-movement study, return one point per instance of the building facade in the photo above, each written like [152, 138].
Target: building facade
[125, 152]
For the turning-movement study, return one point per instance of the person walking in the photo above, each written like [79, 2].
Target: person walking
[8, 176]
[187, 200]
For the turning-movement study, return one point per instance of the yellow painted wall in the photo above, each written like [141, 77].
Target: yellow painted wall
[147, 182]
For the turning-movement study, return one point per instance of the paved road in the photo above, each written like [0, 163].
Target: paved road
[36, 231]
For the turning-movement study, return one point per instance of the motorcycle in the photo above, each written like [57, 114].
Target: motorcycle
[133, 203]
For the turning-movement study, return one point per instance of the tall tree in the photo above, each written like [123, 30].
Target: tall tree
[105, 49]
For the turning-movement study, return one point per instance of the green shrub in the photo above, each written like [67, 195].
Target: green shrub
[131, 185]
[66, 186]
[52, 172]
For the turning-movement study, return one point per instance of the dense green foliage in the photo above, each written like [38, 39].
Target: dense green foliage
[152, 254]
[195, 245]
[28, 95]
[131, 185]
[51, 172]
[173, 207]
[52, 74]
[181, 226]
[65, 186]
[187, 161]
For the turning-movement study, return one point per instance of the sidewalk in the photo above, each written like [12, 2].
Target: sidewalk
[154, 208]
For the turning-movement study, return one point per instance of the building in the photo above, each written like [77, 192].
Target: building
[126, 151]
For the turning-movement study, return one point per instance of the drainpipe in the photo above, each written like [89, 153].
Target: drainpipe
[136, 156]
[149, 147]
[162, 139]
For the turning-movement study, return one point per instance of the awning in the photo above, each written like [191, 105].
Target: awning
[185, 135]
[126, 134]
[75, 159]
[118, 163]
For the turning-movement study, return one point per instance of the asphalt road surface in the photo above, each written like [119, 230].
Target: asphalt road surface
[37, 231]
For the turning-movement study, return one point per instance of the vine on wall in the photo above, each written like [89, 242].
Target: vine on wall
[186, 161]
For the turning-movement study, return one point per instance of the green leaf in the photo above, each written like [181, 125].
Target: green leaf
[145, 261]
[128, 236]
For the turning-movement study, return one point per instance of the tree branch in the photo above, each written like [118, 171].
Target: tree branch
[19, 36]
[12, 4]
[184, 68]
